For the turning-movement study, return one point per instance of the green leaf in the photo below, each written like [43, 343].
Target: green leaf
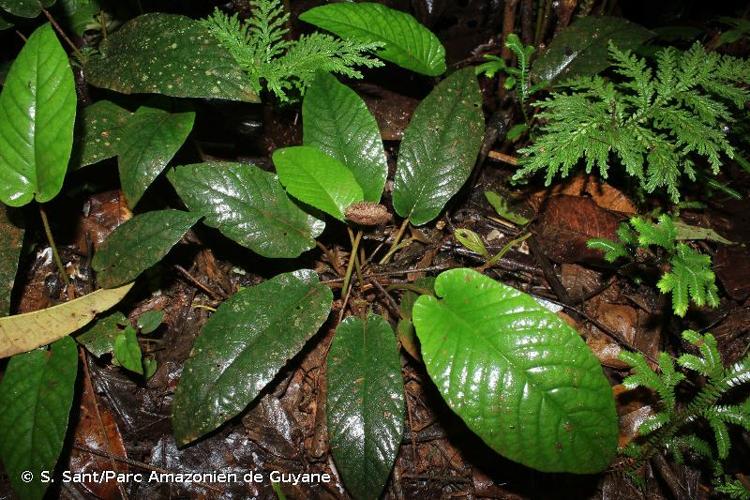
[99, 133]
[5, 24]
[248, 206]
[581, 49]
[471, 241]
[149, 140]
[365, 405]
[317, 179]
[80, 14]
[36, 394]
[11, 242]
[25, 8]
[149, 321]
[503, 209]
[439, 148]
[406, 42]
[518, 375]
[243, 346]
[99, 338]
[127, 351]
[336, 121]
[167, 54]
[37, 114]
[139, 244]
[24, 332]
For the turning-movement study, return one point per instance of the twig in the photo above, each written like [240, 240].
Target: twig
[396, 240]
[549, 272]
[395, 309]
[197, 283]
[62, 34]
[497, 155]
[352, 258]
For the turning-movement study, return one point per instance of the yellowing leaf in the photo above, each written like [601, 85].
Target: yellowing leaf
[24, 332]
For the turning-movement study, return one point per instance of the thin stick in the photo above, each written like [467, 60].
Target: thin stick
[396, 240]
[51, 239]
[197, 283]
[62, 33]
[497, 155]
[352, 258]
[331, 258]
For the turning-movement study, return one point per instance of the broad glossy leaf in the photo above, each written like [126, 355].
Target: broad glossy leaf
[365, 405]
[139, 244]
[439, 148]
[149, 321]
[37, 114]
[149, 140]
[247, 205]
[99, 338]
[317, 179]
[99, 133]
[36, 394]
[25, 8]
[243, 346]
[581, 49]
[518, 375]
[168, 54]
[336, 121]
[24, 332]
[11, 242]
[406, 42]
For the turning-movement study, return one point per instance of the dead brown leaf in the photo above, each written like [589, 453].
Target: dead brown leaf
[602, 193]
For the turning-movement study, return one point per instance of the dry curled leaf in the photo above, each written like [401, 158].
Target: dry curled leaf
[366, 213]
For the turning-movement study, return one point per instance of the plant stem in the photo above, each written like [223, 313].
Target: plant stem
[51, 239]
[62, 34]
[352, 259]
[396, 241]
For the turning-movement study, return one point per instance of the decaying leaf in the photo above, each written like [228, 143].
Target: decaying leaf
[24, 332]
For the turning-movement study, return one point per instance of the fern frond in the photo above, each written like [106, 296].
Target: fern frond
[654, 123]
[662, 234]
[691, 277]
[613, 250]
[259, 46]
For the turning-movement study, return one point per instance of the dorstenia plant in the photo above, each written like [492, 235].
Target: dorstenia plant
[653, 123]
[260, 47]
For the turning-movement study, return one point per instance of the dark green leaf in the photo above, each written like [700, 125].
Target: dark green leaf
[149, 140]
[99, 133]
[139, 244]
[25, 8]
[37, 114]
[171, 55]
[4, 25]
[80, 14]
[243, 346]
[581, 49]
[247, 205]
[518, 375]
[365, 405]
[127, 351]
[337, 121]
[406, 42]
[149, 321]
[439, 148]
[99, 338]
[317, 179]
[11, 242]
[36, 394]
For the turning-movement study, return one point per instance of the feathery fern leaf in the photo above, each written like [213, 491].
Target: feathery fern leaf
[653, 123]
[259, 46]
